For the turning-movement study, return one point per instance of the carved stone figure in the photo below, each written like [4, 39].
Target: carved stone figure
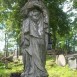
[34, 38]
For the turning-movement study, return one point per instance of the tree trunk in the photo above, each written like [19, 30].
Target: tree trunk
[6, 50]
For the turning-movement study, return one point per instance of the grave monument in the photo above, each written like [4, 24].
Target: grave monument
[34, 38]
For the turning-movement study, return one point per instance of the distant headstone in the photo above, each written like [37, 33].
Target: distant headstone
[72, 62]
[60, 60]
[15, 54]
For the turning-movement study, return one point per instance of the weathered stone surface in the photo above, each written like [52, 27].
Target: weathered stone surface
[34, 38]
[60, 60]
[72, 62]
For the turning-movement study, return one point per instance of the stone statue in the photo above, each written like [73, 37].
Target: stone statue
[34, 38]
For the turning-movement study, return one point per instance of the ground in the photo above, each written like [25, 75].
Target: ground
[53, 69]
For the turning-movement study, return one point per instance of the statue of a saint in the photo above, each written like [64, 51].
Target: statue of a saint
[34, 38]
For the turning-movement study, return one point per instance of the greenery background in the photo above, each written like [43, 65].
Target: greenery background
[63, 31]
[52, 69]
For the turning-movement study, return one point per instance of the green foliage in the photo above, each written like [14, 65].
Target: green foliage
[10, 14]
[75, 3]
[58, 20]
[58, 71]
[52, 69]
[13, 68]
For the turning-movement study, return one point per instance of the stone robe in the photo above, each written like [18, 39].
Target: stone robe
[34, 44]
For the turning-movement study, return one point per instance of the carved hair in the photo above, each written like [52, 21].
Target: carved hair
[32, 4]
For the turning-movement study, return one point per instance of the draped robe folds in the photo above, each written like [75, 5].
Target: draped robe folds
[34, 43]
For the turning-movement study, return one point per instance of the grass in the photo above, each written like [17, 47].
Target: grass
[58, 71]
[53, 69]
[13, 68]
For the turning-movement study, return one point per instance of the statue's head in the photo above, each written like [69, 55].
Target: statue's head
[35, 14]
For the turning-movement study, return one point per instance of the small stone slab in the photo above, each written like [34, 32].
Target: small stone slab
[72, 62]
[60, 60]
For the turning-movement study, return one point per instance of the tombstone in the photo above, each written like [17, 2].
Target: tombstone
[15, 53]
[60, 60]
[75, 57]
[72, 62]
[15, 56]
[34, 38]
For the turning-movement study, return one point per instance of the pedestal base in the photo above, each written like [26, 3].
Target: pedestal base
[32, 75]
